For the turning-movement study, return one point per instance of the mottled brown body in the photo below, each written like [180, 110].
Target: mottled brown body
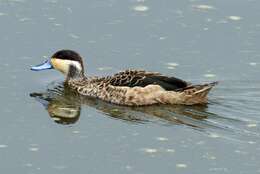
[105, 89]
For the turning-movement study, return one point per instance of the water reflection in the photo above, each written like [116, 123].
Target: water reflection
[64, 107]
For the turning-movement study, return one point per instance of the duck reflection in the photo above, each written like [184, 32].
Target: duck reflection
[64, 107]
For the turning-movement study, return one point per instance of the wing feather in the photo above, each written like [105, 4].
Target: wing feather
[132, 78]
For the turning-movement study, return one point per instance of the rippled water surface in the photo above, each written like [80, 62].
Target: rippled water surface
[46, 128]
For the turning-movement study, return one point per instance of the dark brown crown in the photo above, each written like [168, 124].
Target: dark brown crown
[68, 55]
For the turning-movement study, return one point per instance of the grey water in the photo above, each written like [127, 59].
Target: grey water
[46, 128]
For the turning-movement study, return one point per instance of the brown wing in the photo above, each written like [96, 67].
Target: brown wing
[132, 78]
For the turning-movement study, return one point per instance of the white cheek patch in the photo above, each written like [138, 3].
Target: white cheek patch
[64, 65]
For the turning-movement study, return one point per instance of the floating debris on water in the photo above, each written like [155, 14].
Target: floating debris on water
[59, 167]
[141, 8]
[172, 64]
[74, 36]
[218, 169]
[150, 150]
[209, 75]
[3, 14]
[170, 67]
[209, 20]
[214, 135]
[162, 139]
[34, 149]
[253, 63]
[128, 167]
[28, 165]
[209, 156]
[75, 132]
[170, 150]
[241, 152]
[58, 25]
[200, 143]
[251, 142]
[203, 7]
[234, 18]
[3, 146]
[69, 9]
[252, 125]
[24, 19]
[181, 165]
[162, 38]
[105, 68]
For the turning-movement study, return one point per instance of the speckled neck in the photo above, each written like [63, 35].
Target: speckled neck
[75, 74]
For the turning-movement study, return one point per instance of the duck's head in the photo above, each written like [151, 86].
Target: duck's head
[67, 62]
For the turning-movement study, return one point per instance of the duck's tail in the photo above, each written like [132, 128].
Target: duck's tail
[197, 94]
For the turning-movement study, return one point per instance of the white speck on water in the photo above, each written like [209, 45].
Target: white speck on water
[34, 149]
[58, 25]
[209, 19]
[141, 8]
[203, 7]
[170, 67]
[218, 169]
[212, 157]
[253, 63]
[172, 64]
[209, 156]
[74, 36]
[241, 152]
[3, 146]
[162, 139]
[76, 132]
[28, 165]
[51, 18]
[24, 19]
[251, 142]
[16, 1]
[205, 29]
[59, 167]
[150, 150]
[162, 38]
[69, 9]
[105, 68]
[209, 75]
[234, 18]
[181, 165]
[170, 150]
[200, 143]
[252, 125]
[214, 135]
[3, 14]
[128, 167]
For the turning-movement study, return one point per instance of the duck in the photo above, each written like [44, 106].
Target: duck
[129, 87]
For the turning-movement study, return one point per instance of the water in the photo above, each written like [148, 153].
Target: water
[47, 129]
